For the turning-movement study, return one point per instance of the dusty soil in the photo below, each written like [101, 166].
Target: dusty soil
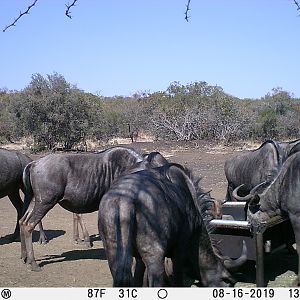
[65, 264]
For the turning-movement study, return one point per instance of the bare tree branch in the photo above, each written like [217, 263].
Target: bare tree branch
[297, 4]
[21, 15]
[187, 10]
[68, 13]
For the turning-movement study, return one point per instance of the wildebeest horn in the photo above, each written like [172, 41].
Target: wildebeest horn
[231, 264]
[250, 195]
[240, 198]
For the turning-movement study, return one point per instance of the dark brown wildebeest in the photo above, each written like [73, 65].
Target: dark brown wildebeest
[77, 182]
[282, 196]
[153, 214]
[12, 165]
[256, 166]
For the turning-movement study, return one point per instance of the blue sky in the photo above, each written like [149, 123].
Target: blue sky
[119, 47]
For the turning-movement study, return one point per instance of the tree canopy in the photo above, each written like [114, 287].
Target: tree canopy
[51, 112]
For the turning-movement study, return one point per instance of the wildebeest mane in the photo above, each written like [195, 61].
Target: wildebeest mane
[202, 200]
[135, 152]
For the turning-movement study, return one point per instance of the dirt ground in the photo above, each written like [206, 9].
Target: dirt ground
[65, 264]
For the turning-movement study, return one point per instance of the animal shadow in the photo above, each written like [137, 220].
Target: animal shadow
[73, 255]
[51, 234]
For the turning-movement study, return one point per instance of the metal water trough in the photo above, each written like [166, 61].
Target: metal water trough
[233, 228]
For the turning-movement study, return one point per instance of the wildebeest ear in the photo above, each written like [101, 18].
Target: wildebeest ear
[174, 174]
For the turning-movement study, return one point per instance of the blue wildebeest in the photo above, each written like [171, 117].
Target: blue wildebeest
[282, 196]
[153, 214]
[77, 182]
[12, 165]
[256, 166]
[150, 160]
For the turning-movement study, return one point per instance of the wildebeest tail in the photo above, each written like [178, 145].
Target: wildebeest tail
[125, 227]
[27, 189]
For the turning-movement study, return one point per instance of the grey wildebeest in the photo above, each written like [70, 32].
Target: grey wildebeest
[256, 166]
[282, 196]
[12, 165]
[153, 214]
[77, 182]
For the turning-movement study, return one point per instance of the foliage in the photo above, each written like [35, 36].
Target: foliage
[52, 112]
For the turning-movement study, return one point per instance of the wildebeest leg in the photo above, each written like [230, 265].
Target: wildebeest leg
[23, 245]
[86, 237]
[43, 238]
[177, 276]
[77, 219]
[169, 271]
[295, 221]
[140, 277]
[31, 218]
[18, 204]
[156, 271]
[30, 260]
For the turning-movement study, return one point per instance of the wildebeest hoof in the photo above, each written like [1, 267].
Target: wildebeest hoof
[34, 267]
[24, 260]
[77, 241]
[87, 244]
[43, 240]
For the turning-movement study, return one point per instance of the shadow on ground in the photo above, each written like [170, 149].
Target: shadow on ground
[73, 255]
[51, 234]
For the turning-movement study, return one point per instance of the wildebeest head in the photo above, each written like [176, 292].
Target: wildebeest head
[258, 210]
[155, 159]
[221, 275]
